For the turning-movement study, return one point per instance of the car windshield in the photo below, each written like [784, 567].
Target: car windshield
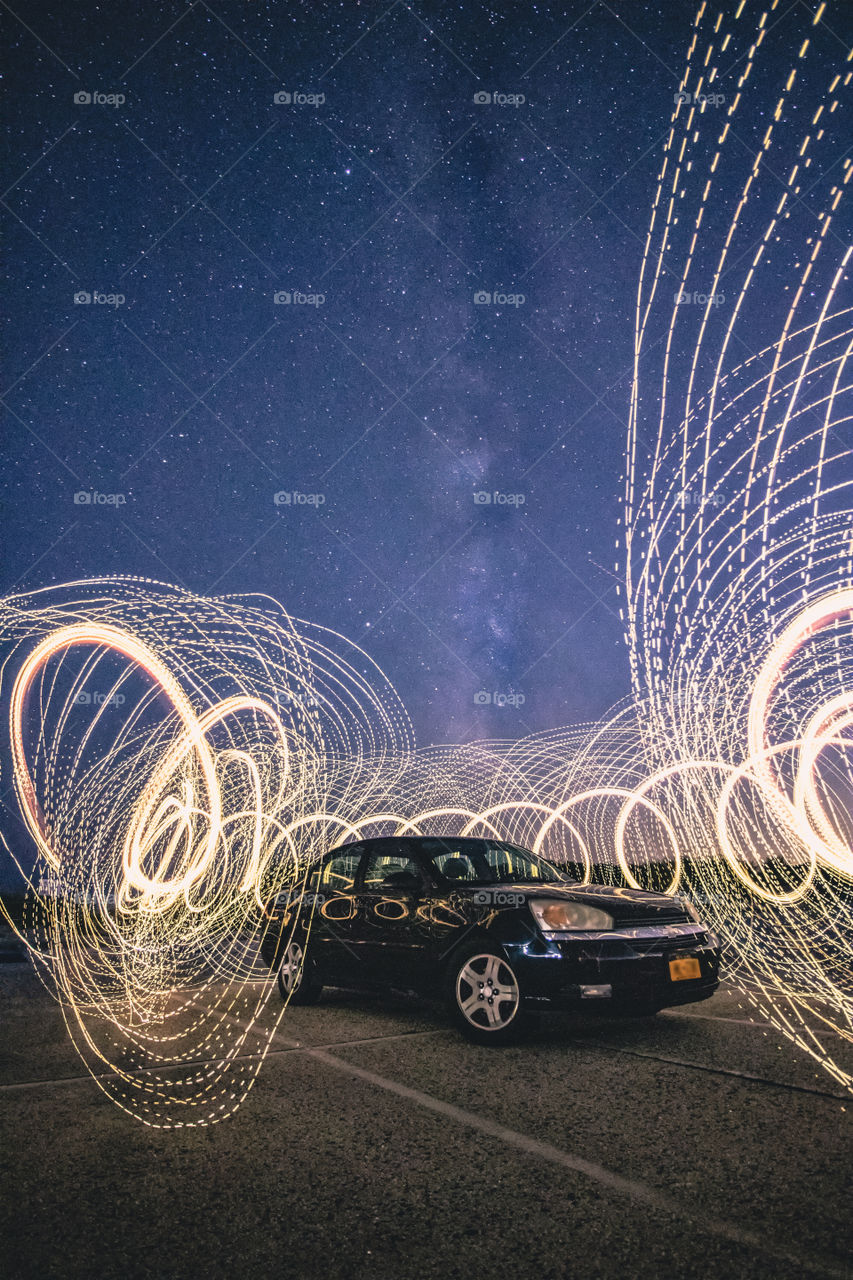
[488, 862]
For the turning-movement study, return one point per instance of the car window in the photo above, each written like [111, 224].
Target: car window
[456, 865]
[383, 867]
[487, 862]
[508, 863]
[339, 872]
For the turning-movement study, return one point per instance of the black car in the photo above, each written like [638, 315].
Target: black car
[500, 932]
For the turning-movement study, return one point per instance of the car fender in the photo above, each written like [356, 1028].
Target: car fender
[473, 937]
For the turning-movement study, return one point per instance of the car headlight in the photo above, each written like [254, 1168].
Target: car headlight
[559, 917]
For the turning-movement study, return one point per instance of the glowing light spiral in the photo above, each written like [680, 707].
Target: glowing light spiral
[226, 745]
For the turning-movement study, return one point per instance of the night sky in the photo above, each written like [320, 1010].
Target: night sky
[382, 397]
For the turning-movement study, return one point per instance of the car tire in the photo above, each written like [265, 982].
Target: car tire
[484, 997]
[297, 980]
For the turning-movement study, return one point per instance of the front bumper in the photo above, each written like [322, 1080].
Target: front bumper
[621, 970]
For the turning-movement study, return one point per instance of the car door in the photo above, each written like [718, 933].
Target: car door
[334, 911]
[392, 931]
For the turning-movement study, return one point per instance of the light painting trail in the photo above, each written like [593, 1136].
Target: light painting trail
[178, 761]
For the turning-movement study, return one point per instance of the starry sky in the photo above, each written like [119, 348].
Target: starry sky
[378, 400]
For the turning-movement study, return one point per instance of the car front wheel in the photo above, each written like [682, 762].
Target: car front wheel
[297, 982]
[484, 995]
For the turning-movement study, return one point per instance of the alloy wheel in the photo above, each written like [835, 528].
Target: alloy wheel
[290, 973]
[487, 993]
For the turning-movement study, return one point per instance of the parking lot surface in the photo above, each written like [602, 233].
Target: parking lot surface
[377, 1143]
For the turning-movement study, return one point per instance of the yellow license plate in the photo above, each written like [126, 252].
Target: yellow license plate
[684, 967]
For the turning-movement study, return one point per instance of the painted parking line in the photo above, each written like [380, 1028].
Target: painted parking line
[712, 1017]
[631, 1188]
[188, 1064]
[296, 1046]
[718, 1071]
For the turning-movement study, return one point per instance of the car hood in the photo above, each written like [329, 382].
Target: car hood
[625, 905]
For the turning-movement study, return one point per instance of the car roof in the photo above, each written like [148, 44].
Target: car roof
[423, 840]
